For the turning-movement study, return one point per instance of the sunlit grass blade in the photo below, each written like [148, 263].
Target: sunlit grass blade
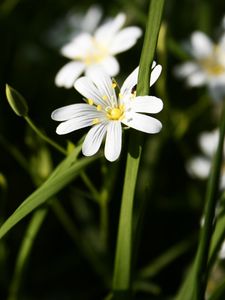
[123, 259]
[63, 174]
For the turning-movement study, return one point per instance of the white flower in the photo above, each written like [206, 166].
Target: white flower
[98, 49]
[106, 112]
[207, 66]
[73, 24]
[200, 166]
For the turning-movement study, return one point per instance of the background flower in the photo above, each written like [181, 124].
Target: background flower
[99, 49]
[207, 66]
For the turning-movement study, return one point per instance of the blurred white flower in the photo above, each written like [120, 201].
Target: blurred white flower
[73, 24]
[98, 49]
[207, 66]
[106, 112]
[199, 166]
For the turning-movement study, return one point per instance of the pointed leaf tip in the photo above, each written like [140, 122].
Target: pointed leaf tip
[16, 101]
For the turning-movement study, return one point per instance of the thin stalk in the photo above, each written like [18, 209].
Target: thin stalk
[209, 214]
[44, 136]
[25, 251]
[123, 259]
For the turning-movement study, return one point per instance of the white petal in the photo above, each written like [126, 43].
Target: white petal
[155, 74]
[106, 32]
[113, 141]
[201, 44]
[216, 87]
[142, 123]
[78, 47]
[94, 139]
[110, 65]
[132, 79]
[208, 142]
[125, 39]
[77, 123]
[92, 18]
[103, 83]
[68, 74]
[222, 181]
[196, 79]
[72, 111]
[185, 69]
[130, 82]
[146, 104]
[86, 87]
[199, 167]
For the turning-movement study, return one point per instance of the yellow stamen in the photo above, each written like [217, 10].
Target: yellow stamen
[95, 121]
[104, 97]
[90, 101]
[114, 85]
[116, 113]
[99, 107]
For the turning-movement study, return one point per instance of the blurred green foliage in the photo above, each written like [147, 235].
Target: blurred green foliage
[58, 267]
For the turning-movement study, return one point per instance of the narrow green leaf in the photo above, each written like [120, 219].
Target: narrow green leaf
[25, 251]
[16, 101]
[62, 175]
[123, 258]
[194, 285]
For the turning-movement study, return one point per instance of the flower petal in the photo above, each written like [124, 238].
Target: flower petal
[91, 18]
[94, 139]
[202, 46]
[72, 111]
[196, 79]
[132, 79]
[130, 82]
[110, 65]
[86, 87]
[208, 142]
[77, 123]
[103, 83]
[199, 167]
[113, 141]
[156, 71]
[125, 39]
[68, 74]
[78, 47]
[142, 122]
[146, 104]
[185, 69]
[106, 32]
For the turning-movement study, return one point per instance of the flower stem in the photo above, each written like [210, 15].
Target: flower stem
[44, 136]
[209, 214]
[123, 259]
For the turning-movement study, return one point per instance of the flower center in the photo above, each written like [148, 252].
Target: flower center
[115, 113]
[95, 54]
[213, 64]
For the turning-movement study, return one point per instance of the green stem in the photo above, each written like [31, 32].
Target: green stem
[123, 258]
[104, 221]
[209, 214]
[25, 251]
[44, 136]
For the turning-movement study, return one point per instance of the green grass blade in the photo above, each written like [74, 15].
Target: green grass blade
[195, 283]
[25, 251]
[123, 258]
[63, 174]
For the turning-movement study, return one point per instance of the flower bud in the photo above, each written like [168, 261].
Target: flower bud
[16, 101]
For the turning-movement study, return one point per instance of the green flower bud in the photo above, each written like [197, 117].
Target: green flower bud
[16, 101]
